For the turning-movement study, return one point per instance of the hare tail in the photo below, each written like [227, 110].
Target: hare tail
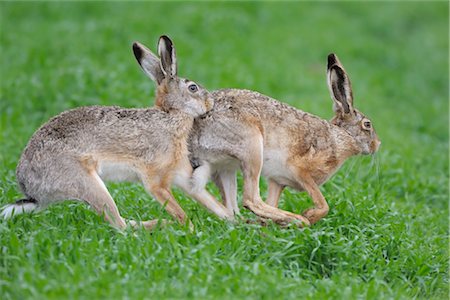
[20, 207]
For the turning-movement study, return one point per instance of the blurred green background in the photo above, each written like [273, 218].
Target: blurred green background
[387, 232]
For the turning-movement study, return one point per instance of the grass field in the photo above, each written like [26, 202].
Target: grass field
[386, 236]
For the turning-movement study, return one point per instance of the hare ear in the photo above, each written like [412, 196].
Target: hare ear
[339, 85]
[166, 52]
[148, 61]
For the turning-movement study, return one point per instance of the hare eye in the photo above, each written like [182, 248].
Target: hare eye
[193, 88]
[367, 124]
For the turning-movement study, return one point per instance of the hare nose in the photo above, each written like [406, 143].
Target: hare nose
[377, 145]
[374, 145]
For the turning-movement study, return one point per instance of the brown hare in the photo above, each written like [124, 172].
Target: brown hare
[292, 148]
[71, 155]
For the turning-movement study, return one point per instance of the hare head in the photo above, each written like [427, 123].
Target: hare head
[173, 92]
[346, 116]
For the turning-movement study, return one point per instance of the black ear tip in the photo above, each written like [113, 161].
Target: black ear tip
[166, 39]
[138, 53]
[332, 59]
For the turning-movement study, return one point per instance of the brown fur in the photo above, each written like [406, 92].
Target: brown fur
[300, 150]
[68, 157]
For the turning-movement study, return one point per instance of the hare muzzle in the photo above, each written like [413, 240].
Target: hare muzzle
[374, 146]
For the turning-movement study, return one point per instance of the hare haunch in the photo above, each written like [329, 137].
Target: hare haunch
[292, 148]
[71, 155]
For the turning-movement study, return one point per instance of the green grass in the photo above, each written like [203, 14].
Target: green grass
[386, 236]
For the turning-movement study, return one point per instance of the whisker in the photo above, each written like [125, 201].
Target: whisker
[350, 168]
[377, 171]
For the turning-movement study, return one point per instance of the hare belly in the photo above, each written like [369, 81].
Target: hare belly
[226, 163]
[275, 168]
[117, 171]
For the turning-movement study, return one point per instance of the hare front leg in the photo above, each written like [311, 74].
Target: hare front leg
[199, 193]
[274, 192]
[226, 182]
[148, 225]
[165, 198]
[321, 206]
[313, 214]
[157, 185]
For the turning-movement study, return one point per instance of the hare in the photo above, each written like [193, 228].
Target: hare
[71, 155]
[296, 149]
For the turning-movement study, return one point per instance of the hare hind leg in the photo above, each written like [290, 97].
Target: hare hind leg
[251, 164]
[97, 196]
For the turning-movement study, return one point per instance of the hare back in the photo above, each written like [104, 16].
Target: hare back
[228, 101]
[282, 126]
[118, 143]
[142, 133]
[291, 137]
